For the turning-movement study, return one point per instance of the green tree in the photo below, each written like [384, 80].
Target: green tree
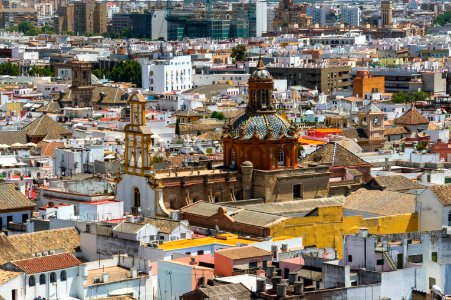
[443, 19]
[403, 97]
[239, 52]
[422, 145]
[127, 71]
[177, 127]
[218, 115]
[10, 69]
[40, 71]
[28, 28]
[209, 151]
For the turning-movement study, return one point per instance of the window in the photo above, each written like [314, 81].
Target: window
[63, 276]
[449, 218]
[53, 277]
[161, 237]
[380, 262]
[349, 258]
[434, 256]
[136, 197]
[297, 191]
[24, 218]
[42, 279]
[200, 252]
[432, 282]
[31, 281]
[281, 158]
[183, 235]
[233, 158]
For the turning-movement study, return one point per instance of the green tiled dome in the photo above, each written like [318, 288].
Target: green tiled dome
[270, 126]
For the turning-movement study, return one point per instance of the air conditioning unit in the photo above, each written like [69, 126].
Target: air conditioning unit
[38, 254]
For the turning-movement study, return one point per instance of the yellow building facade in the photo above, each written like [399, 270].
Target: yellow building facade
[325, 229]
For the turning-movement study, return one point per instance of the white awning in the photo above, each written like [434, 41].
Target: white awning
[8, 160]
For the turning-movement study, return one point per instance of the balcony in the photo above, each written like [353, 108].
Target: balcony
[16, 227]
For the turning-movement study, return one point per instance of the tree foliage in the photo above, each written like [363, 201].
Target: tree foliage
[218, 115]
[127, 71]
[423, 145]
[403, 97]
[239, 52]
[40, 71]
[27, 28]
[10, 69]
[443, 19]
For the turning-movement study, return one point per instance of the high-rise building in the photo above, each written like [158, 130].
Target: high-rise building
[100, 17]
[318, 14]
[249, 19]
[387, 12]
[91, 17]
[64, 21]
[350, 15]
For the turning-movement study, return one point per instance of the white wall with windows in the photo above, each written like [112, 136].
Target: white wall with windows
[167, 75]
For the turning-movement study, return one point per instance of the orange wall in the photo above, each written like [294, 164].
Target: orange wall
[364, 85]
[223, 265]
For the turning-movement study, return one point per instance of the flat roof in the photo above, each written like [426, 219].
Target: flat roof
[183, 244]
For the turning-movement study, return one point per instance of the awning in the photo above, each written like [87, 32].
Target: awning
[8, 160]
[121, 292]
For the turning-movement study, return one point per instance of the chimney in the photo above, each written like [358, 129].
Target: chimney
[275, 281]
[281, 290]
[298, 287]
[292, 277]
[261, 285]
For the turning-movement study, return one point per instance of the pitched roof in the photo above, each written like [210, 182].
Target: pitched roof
[411, 117]
[397, 183]
[111, 95]
[370, 108]
[25, 245]
[43, 126]
[357, 134]
[395, 130]
[443, 193]
[12, 137]
[226, 291]
[382, 203]
[126, 227]
[335, 155]
[163, 225]
[48, 148]
[243, 252]
[7, 275]
[239, 215]
[47, 263]
[13, 199]
[291, 207]
[51, 107]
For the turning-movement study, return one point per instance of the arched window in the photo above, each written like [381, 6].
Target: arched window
[136, 198]
[233, 158]
[281, 158]
[42, 279]
[63, 276]
[31, 281]
[53, 277]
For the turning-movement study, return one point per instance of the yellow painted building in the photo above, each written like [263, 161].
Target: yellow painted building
[15, 107]
[325, 229]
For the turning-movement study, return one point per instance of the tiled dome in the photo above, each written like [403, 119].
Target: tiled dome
[261, 74]
[265, 126]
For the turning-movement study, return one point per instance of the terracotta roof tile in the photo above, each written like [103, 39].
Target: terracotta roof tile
[382, 203]
[44, 126]
[12, 137]
[11, 198]
[397, 183]
[395, 130]
[48, 148]
[335, 155]
[7, 275]
[411, 117]
[443, 193]
[243, 252]
[47, 263]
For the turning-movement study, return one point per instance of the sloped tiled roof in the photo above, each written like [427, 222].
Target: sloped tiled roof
[243, 252]
[51, 107]
[7, 275]
[411, 117]
[382, 203]
[13, 199]
[12, 137]
[397, 183]
[163, 225]
[226, 291]
[335, 155]
[47, 263]
[111, 95]
[395, 130]
[370, 108]
[443, 193]
[355, 134]
[126, 227]
[48, 148]
[43, 126]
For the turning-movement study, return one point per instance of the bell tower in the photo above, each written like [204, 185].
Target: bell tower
[371, 122]
[138, 142]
